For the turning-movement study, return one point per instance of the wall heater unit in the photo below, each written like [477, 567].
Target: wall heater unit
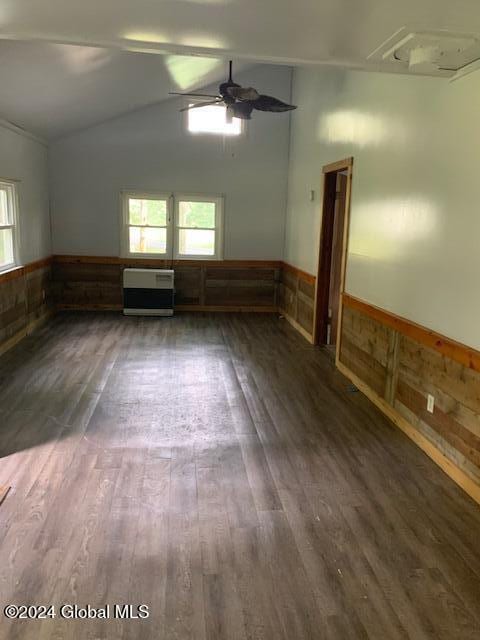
[148, 292]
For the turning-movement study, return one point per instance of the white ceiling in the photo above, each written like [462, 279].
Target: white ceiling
[51, 89]
[289, 31]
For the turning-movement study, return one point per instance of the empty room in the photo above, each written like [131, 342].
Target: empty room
[239, 320]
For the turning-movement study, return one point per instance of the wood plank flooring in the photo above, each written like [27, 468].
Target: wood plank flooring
[218, 469]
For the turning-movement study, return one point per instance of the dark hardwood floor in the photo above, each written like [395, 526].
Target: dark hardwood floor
[218, 469]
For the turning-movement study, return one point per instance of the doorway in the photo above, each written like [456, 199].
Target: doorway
[337, 181]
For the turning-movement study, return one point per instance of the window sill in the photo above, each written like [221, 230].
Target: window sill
[197, 258]
[11, 272]
[146, 256]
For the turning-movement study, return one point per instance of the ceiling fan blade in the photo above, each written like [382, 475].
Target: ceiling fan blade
[198, 105]
[269, 103]
[243, 93]
[241, 110]
[193, 95]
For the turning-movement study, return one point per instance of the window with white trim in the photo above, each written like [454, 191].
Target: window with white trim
[8, 225]
[146, 224]
[198, 227]
[166, 226]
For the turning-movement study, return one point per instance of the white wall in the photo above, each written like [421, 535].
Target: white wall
[415, 224]
[150, 150]
[24, 158]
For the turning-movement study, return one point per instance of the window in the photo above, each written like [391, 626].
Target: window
[213, 119]
[8, 222]
[150, 231]
[146, 220]
[198, 227]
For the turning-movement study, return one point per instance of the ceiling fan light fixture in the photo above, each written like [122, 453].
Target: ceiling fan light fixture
[241, 110]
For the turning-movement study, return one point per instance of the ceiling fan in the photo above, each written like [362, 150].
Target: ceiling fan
[240, 101]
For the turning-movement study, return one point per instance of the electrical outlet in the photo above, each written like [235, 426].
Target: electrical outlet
[430, 403]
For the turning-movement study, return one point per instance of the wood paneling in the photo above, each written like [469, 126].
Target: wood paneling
[19, 272]
[91, 283]
[88, 284]
[11, 274]
[95, 283]
[303, 275]
[364, 364]
[189, 286]
[155, 262]
[454, 350]
[296, 298]
[25, 300]
[401, 363]
[250, 287]
[39, 296]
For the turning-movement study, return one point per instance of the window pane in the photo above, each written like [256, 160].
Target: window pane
[146, 211]
[196, 214]
[196, 242]
[6, 247]
[148, 240]
[213, 119]
[4, 206]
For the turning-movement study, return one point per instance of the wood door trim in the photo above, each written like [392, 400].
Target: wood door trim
[323, 268]
[340, 165]
[461, 353]
[346, 237]
[324, 258]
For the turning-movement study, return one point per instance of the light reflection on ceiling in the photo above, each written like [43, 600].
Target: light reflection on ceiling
[186, 71]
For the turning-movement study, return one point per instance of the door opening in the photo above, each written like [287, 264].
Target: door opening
[337, 179]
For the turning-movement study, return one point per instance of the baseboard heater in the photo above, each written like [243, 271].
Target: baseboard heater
[148, 292]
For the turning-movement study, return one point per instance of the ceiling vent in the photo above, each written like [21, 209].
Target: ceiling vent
[429, 52]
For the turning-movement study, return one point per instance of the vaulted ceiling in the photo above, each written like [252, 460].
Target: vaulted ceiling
[66, 65]
[52, 89]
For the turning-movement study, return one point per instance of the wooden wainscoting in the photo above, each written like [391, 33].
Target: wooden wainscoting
[86, 282]
[296, 299]
[25, 301]
[397, 363]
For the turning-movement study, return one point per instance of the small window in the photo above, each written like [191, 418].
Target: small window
[213, 119]
[146, 225]
[198, 227]
[8, 225]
